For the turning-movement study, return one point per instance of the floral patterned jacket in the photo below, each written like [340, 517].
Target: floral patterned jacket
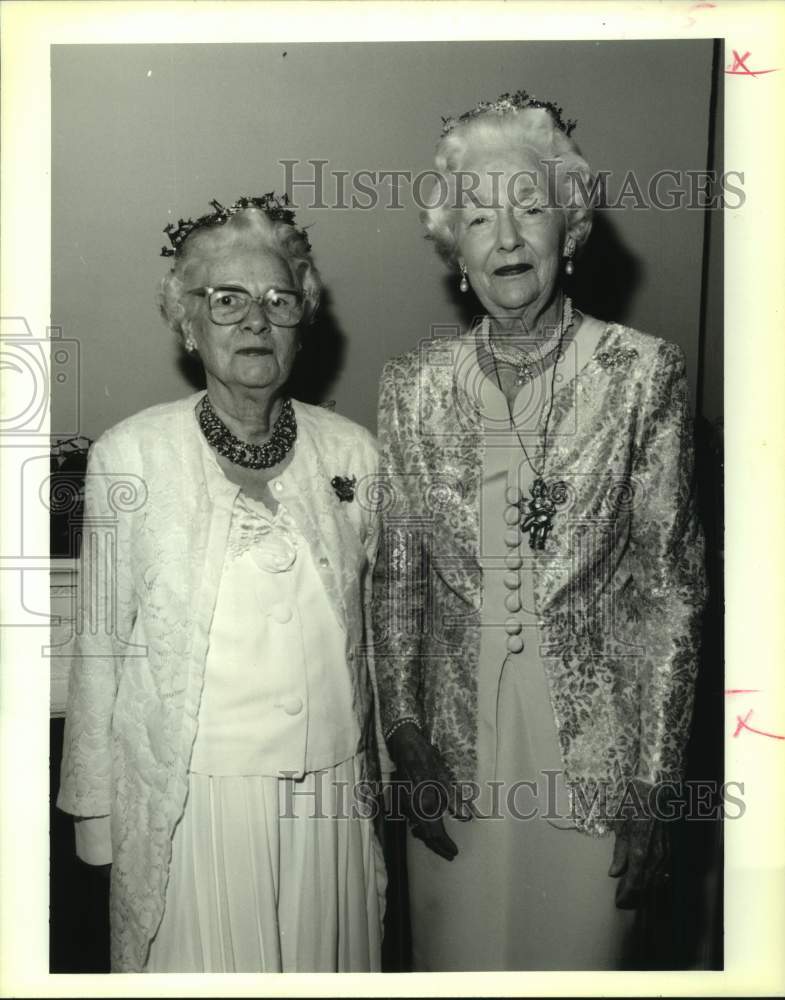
[155, 532]
[619, 588]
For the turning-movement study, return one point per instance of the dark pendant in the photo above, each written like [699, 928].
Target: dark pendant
[526, 372]
[344, 487]
[537, 521]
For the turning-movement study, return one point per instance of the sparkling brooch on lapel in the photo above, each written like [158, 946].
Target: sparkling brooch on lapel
[617, 357]
[344, 487]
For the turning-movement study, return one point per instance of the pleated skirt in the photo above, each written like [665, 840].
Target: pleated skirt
[273, 875]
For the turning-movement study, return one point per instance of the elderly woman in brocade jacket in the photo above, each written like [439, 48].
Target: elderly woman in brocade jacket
[220, 701]
[538, 593]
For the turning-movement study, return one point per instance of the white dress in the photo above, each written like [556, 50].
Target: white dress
[522, 893]
[274, 868]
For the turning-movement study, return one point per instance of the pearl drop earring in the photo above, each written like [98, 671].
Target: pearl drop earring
[464, 283]
[569, 250]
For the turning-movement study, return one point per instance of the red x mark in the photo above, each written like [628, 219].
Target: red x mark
[739, 66]
[742, 724]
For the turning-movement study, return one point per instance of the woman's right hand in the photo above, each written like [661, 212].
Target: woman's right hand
[430, 789]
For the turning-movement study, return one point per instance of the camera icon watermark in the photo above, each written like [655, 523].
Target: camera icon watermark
[34, 370]
[460, 368]
[93, 529]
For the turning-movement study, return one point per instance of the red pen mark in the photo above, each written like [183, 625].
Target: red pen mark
[699, 6]
[739, 66]
[741, 690]
[742, 724]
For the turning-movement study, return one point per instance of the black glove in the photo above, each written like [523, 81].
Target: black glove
[430, 789]
[640, 856]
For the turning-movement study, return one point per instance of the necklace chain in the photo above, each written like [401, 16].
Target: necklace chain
[537, 512]
[239, 452]
[529, 365]
[568, 318]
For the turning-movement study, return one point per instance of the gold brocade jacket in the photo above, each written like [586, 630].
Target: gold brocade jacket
[619, 587]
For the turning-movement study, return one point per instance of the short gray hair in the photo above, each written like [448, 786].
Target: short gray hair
[533, 129]
[250, 226]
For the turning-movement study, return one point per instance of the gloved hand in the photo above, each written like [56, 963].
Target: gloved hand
[103, 872]
[430, 789]
[640, 855]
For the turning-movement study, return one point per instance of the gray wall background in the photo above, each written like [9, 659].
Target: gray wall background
[143, 134]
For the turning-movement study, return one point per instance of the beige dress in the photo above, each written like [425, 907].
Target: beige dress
[525, 891]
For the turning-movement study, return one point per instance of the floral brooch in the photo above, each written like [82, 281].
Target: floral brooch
[344, 487]
[617, 357]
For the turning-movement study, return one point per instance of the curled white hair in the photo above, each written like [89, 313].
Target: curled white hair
[530, 130]
[250, 227]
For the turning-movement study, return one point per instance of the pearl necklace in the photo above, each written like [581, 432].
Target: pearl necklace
[529, 366]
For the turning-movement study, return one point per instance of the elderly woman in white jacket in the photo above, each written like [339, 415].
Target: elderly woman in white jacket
[220, 701]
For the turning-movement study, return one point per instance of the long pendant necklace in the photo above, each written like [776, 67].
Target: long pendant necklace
[239, 452]
[539, 508]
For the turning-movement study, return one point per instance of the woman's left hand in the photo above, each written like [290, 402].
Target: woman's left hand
[639, 856]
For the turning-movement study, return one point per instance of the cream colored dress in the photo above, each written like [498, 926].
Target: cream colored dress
[271, 870]
[523, 893]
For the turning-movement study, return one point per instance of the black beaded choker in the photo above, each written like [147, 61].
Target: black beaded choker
[250, 456]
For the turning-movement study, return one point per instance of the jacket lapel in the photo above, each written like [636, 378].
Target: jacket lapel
[453, 443]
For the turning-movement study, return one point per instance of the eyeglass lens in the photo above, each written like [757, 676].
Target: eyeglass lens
[232, 306]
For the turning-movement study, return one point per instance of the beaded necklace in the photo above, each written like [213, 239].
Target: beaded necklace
[250, 456]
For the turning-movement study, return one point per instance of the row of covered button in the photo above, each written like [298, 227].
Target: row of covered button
[282, 613]
[513, 562]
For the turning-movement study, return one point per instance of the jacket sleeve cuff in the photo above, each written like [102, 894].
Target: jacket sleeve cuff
[401, 721]
[93, 840]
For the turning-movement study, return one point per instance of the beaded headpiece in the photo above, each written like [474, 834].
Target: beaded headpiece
[506, 103]
[274, 206]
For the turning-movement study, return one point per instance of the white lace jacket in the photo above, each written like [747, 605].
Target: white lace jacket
[154, 535]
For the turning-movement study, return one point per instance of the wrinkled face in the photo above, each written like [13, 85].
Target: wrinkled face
[508, 238]
[253, 353]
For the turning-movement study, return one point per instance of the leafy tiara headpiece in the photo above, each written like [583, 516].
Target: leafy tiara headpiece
[275, 206]
[510, 102]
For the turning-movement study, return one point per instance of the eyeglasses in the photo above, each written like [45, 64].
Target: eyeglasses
[229, 304]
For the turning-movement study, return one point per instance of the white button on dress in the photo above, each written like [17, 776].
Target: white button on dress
[281, 613]
[277, 694]
[515, 644]
[513, 602]
[512, 538]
